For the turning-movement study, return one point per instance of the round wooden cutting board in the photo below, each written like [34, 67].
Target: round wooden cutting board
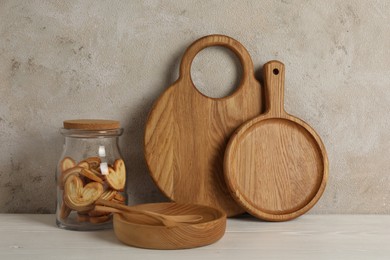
[276, 165]
[186, 132]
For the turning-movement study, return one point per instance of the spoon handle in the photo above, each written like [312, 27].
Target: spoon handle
[117, 206]
[126, 209]
[107, 209]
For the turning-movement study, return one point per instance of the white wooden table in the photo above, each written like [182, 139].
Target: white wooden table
[309, 237]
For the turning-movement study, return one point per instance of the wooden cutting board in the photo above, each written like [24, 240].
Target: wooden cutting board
[276, 164]
[187, 132]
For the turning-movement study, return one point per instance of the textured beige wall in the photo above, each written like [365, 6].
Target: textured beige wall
[86, 59]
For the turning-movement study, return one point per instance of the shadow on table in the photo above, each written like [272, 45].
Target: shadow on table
[108, 236]
[246, 217]
[49, 220]
[44, 219]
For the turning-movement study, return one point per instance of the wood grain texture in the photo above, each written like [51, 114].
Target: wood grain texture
[276, 165]
[167, 220]
[135, 231]
[186, 132]
[91, 124]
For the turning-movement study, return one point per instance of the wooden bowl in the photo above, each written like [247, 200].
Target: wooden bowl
[142, 231]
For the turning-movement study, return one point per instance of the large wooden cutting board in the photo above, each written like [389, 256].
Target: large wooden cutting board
[187, 132]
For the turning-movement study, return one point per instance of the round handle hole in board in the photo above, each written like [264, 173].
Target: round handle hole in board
[216, 72]
[275, 71]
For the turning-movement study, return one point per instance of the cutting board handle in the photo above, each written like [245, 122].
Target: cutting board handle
[217, 40]
[274, 88]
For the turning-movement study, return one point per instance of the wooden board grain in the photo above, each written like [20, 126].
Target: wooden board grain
[186, 132]
[276, 165]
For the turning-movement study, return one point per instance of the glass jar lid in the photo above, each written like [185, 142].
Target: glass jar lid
[91, 128]
[91, 124]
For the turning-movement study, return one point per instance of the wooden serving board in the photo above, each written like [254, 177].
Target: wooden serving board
[186, 132]
[276, 165]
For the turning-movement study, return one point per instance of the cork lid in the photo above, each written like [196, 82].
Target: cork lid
[91, 124]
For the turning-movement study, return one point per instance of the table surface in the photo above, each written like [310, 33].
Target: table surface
[35, 236]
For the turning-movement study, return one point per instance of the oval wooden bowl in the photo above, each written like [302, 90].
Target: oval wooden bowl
[142, 231]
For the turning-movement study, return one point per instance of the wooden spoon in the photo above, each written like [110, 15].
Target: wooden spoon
[167, 220]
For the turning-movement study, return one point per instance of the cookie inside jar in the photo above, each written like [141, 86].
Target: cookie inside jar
[90, 168]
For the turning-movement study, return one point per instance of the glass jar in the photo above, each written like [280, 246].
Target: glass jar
[90, 168]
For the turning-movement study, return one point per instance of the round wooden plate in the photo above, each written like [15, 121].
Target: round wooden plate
[276, 165]
[187, 132]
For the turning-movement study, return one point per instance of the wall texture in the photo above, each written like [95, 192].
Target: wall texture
[104, 59]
